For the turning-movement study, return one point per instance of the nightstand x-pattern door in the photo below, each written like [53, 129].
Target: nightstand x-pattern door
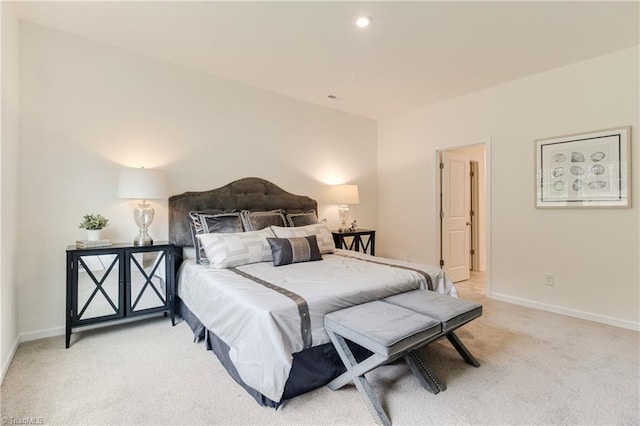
[146, 275]
[99, 283]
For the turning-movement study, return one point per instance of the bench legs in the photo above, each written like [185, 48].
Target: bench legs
[356, 373]
[425, 377]
[462, 349]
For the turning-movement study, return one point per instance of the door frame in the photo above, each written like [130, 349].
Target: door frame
[475, 207]
[487, 158]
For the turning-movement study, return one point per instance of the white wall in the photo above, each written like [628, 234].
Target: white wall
[86, 109]
[594, 253]
[9, 187]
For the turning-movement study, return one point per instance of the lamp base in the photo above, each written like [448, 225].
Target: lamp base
[343, 213]
[143, 240]
[143, 215]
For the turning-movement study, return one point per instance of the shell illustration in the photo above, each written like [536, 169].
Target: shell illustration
[559, 158]
[577, 157]
[559, 186]
[597, 184]
[557, 172]
[598, 156]
[577, 170]
[577, 184]
[597, 169]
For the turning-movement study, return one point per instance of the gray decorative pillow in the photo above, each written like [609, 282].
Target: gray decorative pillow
[196, 228]
[255, 221]
[286, 251]
[224, 222]
[302, 219]
[205, 223]
[320, 230]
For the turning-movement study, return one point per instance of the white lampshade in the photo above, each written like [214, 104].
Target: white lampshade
[345, 194]
[142, 184]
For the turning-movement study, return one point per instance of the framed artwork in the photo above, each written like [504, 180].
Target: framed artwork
[584, 170]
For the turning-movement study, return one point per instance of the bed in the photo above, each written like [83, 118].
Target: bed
[264, 322]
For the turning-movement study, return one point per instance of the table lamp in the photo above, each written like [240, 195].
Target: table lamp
[344, 195]
[142, 184]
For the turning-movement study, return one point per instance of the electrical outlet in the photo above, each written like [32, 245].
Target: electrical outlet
[549, 279]
[408, 258]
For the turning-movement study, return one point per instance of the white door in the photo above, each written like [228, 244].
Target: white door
[455, 213]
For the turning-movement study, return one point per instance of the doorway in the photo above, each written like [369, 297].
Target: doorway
[462, 203]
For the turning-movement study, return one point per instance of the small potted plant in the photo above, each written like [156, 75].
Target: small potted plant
[93, 223]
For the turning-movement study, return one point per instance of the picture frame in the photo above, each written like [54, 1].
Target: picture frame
[584, 170]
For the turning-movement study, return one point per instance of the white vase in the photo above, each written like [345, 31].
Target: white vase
[93, 234]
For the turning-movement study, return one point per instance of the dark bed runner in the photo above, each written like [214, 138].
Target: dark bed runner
[423, 273]
[312, 368]
[303, 307]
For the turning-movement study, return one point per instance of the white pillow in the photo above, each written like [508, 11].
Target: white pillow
[320, 230]
[235, 249]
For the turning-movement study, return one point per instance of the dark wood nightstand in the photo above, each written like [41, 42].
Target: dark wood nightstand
[352, 240]
[120, 281]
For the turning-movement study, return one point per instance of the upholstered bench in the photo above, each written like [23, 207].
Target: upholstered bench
[397, 327]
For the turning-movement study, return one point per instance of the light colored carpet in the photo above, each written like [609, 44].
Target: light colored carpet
[537, 368]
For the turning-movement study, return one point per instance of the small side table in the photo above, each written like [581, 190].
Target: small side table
[352, 240]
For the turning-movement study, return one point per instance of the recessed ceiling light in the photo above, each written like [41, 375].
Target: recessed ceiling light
[363, 21]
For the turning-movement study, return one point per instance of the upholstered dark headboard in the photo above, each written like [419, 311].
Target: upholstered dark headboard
[252, 194]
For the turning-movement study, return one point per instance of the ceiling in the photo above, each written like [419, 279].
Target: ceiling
[413, 54]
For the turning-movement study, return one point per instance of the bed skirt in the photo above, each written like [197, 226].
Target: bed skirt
[312, 368]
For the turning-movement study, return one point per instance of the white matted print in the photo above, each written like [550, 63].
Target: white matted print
[584, 170]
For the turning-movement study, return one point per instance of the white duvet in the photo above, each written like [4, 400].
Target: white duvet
[263, 328]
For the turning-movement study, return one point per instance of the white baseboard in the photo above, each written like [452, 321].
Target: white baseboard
[7, 362]
[61, 330]
[603, 319]
[41, 334]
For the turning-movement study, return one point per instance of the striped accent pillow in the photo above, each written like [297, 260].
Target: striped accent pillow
[320, 230]
[286, 251]
[241, 248]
